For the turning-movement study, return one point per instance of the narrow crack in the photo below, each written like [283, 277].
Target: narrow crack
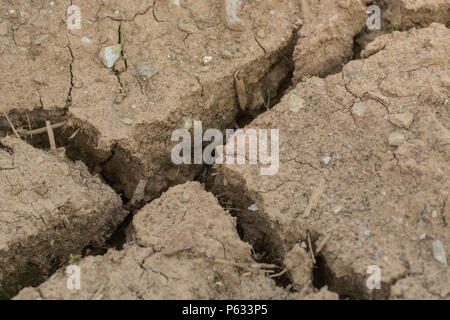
[154, 13]
[260, 45]
[69, 94]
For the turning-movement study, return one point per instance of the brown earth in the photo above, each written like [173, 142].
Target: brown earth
[127, 116]
[185, 247]
[50, 210]
[326, 38]
[364, 149]
[363, 166]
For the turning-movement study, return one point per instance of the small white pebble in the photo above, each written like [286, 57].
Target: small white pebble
[109, 55]
[326, 160]
[253, 207]
[434, 214]
[439, 252]
[52, 3]
[207, 60]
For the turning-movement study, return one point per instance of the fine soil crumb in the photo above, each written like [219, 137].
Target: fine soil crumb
[326, 38]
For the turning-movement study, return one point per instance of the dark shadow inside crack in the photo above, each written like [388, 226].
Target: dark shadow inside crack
[271, 88]
[31, 126]
[252, 227]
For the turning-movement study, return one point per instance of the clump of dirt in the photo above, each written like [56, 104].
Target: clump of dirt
[50, 209]
[363, 176]
[362, 171]
[180, 66]
[326, 39]
[185, 247]
[334, 32]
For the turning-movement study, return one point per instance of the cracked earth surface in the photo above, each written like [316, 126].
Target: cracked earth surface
[364, 149]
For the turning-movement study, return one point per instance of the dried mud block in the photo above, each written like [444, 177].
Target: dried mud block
[334, 31]
[181, 59]
[49, 210]
[363, 200]
[35, 63]
[325, 42]
[186, 247]
[400, 15]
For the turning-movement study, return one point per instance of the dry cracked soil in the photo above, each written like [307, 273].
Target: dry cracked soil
[358, 209]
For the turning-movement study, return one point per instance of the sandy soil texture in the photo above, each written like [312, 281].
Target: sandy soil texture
[86, 175]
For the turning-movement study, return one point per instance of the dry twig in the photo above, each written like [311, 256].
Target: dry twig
[315, 197]
[322, 243]
[11, 125]
[41, 130]
[51, 136]
[311, 251]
